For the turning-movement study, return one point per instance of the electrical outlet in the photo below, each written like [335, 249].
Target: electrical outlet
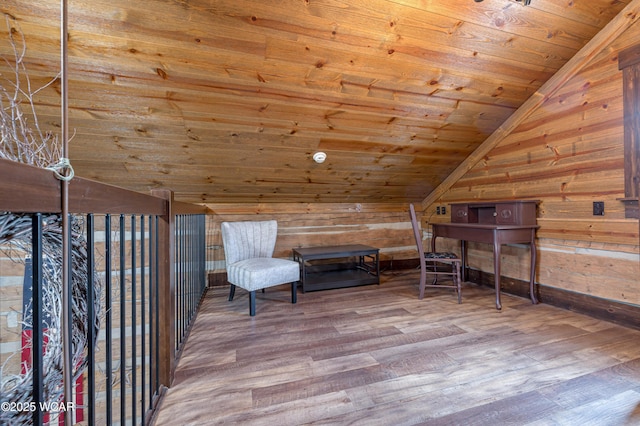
[438, 210]
[598, 208]
[443, 210]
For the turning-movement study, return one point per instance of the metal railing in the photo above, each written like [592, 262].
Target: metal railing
[143, 277]
[190, 272]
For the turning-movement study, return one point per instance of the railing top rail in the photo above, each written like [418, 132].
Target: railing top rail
[180, 207]
[28, 189]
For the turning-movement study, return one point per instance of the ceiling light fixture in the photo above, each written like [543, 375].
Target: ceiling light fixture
[319, 157]
[526, 2]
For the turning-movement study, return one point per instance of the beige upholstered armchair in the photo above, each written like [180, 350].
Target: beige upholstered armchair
[248, 250]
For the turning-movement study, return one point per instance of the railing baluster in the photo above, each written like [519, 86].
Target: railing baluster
[123, 301]
[91, 314]
[108, 320]
[156, 313]
[178, 282]
[134, 274]
[181, 278]
[67, 324]
[143, 265]
[36, 318]
[153, 324]
[191, 270]
[183, 305]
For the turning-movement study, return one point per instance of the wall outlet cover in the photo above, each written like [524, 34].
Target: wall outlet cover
[598, 208]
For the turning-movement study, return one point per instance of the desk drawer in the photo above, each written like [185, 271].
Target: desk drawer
[460, 213]
[516, 214]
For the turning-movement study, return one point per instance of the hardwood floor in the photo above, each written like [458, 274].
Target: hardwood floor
[376, 355]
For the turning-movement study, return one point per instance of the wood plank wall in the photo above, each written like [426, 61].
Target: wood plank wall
[385, 226]
[567, 154]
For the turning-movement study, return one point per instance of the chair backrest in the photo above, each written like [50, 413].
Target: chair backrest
[416, 231]
[248, 239]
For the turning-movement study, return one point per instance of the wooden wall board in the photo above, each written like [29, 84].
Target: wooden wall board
[383, 226]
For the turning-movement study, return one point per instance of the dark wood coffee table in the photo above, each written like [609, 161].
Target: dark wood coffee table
[328, 267]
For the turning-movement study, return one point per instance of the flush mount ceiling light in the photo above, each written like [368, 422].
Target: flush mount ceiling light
[319, 157]
[526, 2]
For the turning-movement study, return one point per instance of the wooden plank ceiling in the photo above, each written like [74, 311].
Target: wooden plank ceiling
[227, 100]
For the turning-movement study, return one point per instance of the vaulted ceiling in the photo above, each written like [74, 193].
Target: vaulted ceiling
[228, 100]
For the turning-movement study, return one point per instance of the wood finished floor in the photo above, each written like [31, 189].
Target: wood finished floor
[376, 355]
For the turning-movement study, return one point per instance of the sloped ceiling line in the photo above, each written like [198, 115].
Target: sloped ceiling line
[625, 19]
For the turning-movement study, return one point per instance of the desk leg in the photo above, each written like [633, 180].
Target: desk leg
[463, 257]
[534, 254]
[496, 268]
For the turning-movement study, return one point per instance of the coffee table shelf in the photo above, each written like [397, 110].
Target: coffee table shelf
[329, 267]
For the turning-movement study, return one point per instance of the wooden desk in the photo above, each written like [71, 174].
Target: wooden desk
[493, 223]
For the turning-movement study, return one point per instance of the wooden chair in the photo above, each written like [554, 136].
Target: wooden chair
[429, 262]
[248, 250]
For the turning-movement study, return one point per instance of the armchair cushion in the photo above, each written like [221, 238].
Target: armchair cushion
[262, 272]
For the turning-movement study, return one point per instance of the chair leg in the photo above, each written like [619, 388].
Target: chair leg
[252, 303]
[232, 292]
[456, 277]
[294, 292]
[423, 279]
